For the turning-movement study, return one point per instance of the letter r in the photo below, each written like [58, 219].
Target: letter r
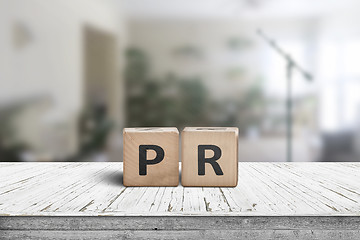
[202, 160]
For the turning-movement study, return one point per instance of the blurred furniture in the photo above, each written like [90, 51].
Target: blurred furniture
[339, 147]
[20, 126]
[271, 201]
[272, 149]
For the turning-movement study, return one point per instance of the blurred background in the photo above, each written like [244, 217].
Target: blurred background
[73, 74]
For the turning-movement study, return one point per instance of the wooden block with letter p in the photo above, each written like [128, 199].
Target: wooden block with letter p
[151, 157]
[209, 157]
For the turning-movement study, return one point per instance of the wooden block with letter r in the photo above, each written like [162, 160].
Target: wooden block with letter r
[151, 157]
[209, 157]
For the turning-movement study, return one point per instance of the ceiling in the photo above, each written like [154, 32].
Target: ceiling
[190, 9]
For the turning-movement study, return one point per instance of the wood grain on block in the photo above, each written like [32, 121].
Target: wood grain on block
[151, 157]
[209, 157]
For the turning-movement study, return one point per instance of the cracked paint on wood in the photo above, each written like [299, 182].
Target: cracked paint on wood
[96, 189]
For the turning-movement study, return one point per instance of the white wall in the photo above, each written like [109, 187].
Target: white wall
[50, 63]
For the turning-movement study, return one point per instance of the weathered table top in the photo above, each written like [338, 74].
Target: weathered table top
[95, 189]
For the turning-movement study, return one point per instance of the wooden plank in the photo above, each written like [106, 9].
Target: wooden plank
[61, 187]
[189, 234]
[83, 223]
[180, 227]
[96, 189]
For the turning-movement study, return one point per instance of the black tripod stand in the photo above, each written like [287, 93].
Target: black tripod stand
[290, 66]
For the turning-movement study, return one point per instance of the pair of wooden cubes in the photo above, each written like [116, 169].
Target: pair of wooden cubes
[209, 157]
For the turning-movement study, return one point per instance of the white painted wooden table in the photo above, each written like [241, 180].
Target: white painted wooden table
[88, 200]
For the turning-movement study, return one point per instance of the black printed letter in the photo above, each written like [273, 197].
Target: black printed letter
[202, 160]
[143, 162]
